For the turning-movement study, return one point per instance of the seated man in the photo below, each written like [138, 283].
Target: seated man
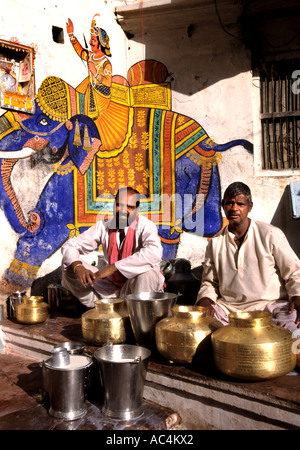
[131, 246]
[250, 266]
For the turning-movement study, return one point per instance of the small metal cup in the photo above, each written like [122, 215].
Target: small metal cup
[72, 347]
[60, 357]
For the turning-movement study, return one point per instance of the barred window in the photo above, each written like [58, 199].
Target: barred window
[280, 115]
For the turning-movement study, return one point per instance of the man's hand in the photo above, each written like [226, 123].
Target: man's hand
[105, 272]
[85, 276]
[295, 305]
[70, 26]
[206, 303]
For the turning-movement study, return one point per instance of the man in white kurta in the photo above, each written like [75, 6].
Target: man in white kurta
[250, 266]
[137, 272]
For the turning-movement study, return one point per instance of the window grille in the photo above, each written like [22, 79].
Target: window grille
[280, 115]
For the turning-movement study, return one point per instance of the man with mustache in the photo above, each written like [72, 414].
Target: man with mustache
[250, 266]
[131, 246]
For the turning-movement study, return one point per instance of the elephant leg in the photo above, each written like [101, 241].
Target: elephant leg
[56, 206]
[213, 221]
[170, 241]
[198, 200]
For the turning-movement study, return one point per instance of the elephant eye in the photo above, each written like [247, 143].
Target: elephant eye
[44, 122]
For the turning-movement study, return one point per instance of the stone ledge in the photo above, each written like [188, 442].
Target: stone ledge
[222, 404]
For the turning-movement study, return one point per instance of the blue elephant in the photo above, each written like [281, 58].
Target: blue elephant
[184, 163]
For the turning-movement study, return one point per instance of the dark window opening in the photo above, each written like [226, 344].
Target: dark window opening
[58, 35]
[280, 114]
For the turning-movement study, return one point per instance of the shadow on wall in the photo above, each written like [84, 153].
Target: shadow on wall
[283, 219]
[40, 285]
[189, 40]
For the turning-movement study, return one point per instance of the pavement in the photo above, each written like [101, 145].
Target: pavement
[24, 404]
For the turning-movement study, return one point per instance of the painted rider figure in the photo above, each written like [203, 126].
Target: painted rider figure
[111, 118]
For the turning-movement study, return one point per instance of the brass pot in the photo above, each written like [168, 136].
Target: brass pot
[252, 348]
[186, 334]
[107, 322]
[32, 310]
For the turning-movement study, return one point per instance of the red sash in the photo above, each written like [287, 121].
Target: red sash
[116, 254]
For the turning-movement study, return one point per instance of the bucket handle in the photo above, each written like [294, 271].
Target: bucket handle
[136, 360]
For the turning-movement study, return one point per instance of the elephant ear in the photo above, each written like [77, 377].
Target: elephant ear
[84, 142]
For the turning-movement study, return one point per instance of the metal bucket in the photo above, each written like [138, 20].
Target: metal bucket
[64, 379]
[145, 310]
[12, 302]
[62, 300]
[122, 371]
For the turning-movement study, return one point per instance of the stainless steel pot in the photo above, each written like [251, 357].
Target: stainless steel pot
[12, 302]
[145, 310]
[122, 370]
[64, 379]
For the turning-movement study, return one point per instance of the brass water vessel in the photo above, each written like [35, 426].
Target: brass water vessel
[252, 348]
[107, 322]
[32, 310]
[186, 334]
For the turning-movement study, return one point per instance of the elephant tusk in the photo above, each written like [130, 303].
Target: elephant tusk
[19, 154]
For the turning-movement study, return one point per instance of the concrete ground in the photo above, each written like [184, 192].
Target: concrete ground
[23, 405]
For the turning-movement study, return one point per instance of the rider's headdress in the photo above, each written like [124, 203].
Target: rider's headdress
[103, 36]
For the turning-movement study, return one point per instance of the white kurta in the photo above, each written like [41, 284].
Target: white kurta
[146, 255]
[264, 270]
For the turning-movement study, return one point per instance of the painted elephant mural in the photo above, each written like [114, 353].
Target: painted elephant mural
[162, 153]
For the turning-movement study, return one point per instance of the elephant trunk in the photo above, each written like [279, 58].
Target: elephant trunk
[6, 169]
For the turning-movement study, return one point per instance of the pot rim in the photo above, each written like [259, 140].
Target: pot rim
[250, 318]
[108, 350]
[151, 296]
[48, 364]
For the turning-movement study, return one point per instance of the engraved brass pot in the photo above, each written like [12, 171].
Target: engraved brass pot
[107, 322]
[186, 334]
[32, 310]
[252, 348]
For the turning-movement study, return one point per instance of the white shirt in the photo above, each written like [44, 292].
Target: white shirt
[147, 251]
[265, 269]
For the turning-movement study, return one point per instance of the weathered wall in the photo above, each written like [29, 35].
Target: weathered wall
[211, 82]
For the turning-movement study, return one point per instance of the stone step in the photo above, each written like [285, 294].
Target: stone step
[37, 340]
